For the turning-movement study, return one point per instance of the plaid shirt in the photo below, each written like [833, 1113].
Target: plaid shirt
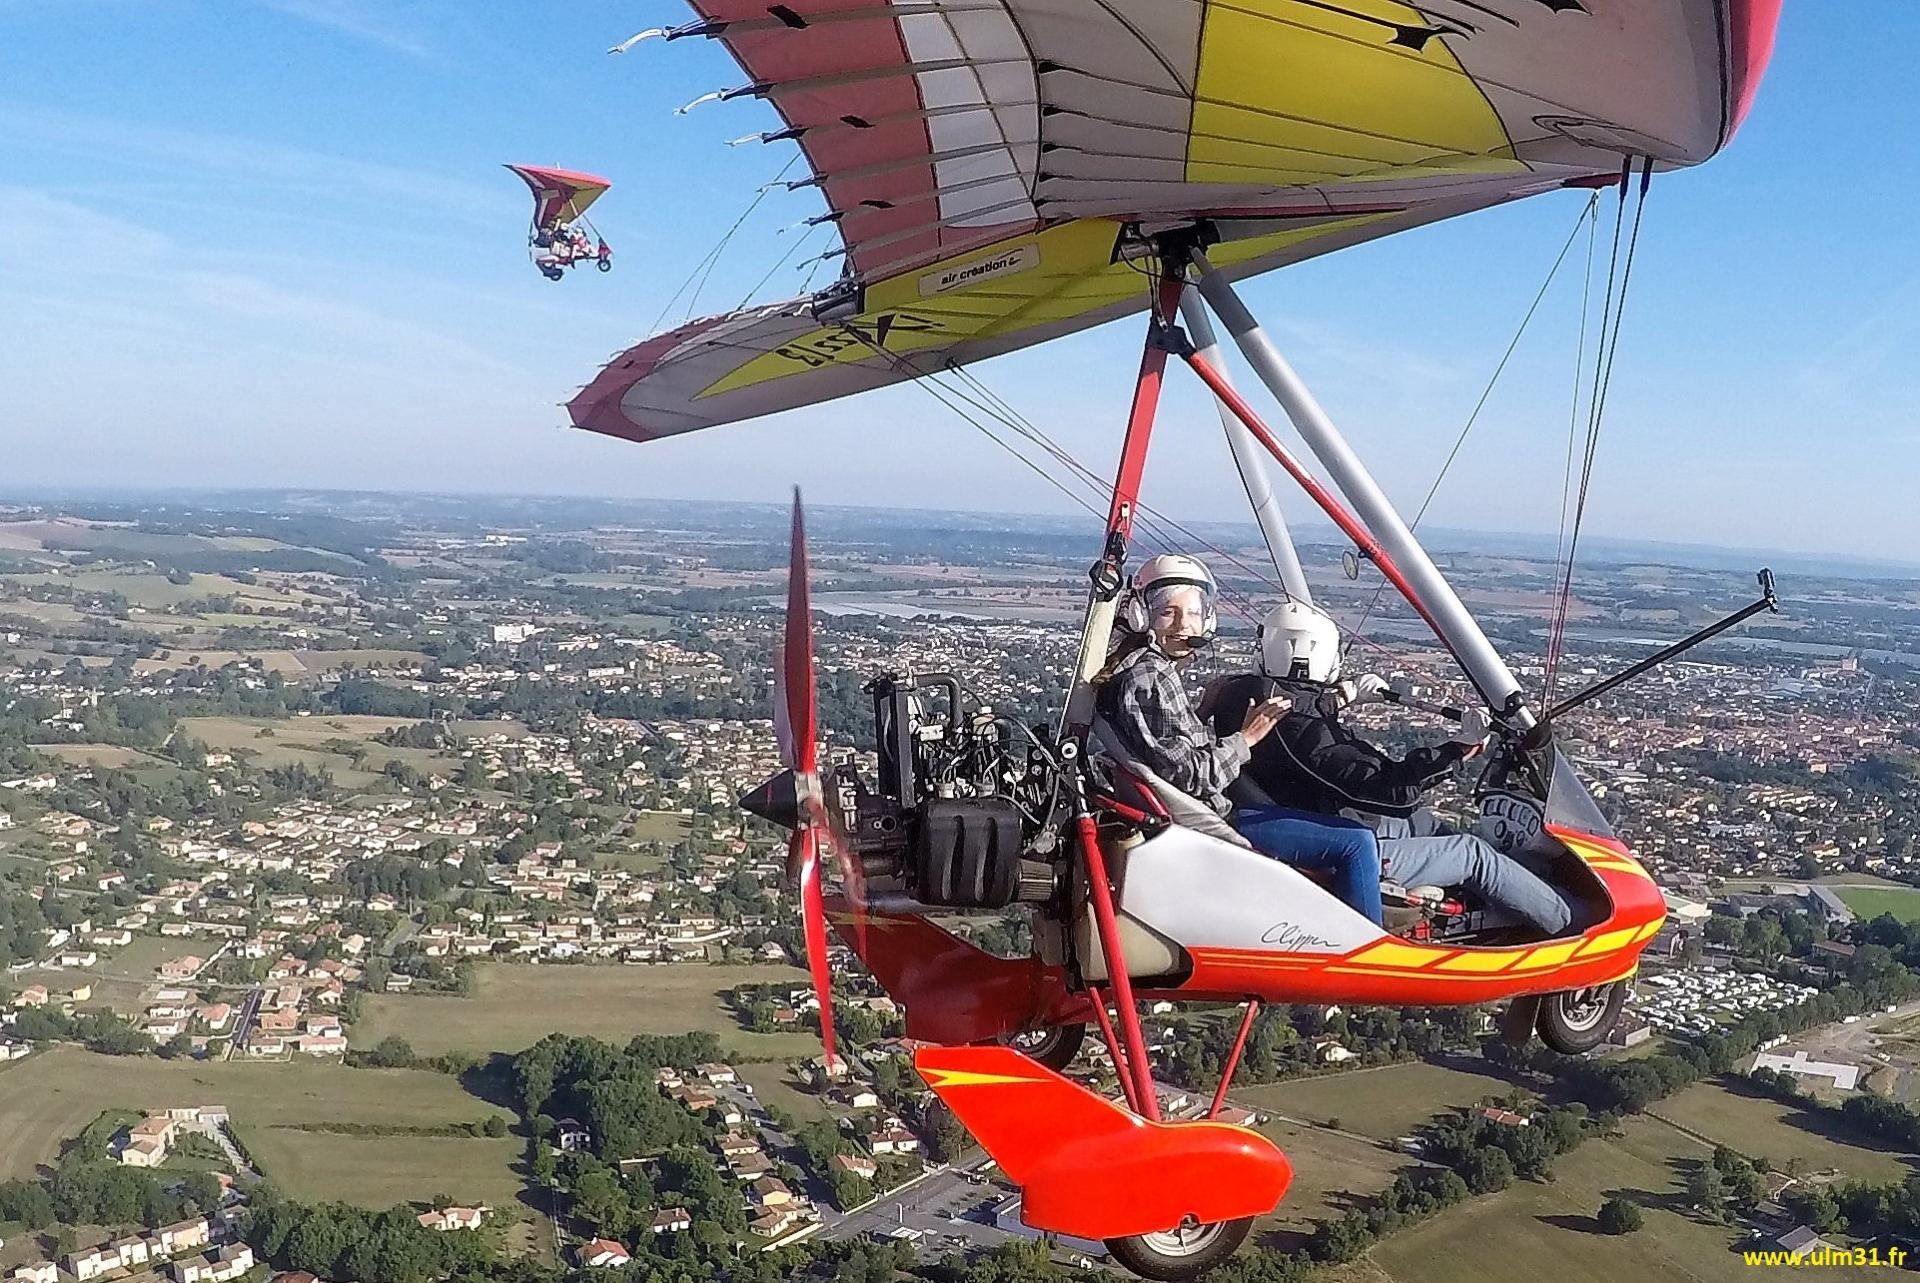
[1147, 706]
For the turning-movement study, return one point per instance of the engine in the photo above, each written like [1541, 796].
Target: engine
[966, 806]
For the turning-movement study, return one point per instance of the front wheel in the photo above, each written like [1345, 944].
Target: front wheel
[606, 265]
[1055, 1047]
[1184, 1252]
[1577, 1020]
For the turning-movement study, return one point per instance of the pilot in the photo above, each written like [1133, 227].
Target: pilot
[1168, 616]
[1313, 760]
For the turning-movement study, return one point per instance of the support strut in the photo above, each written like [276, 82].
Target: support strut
[1432, 594]
[1233, 1058]
[1109, 573]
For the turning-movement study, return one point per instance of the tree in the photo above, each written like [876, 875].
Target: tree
[1707, 1190]
[1619, 1216]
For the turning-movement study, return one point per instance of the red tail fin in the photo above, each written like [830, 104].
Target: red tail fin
[1092, 1169]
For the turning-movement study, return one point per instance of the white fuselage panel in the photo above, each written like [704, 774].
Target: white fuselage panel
[1205, 893]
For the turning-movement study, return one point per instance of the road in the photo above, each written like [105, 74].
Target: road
[244, 1022]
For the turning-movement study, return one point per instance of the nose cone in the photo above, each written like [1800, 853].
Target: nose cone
[776, 801]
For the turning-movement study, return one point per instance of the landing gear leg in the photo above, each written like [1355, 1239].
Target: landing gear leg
[1518, 1020]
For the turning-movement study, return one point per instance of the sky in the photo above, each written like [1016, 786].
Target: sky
[268, 243]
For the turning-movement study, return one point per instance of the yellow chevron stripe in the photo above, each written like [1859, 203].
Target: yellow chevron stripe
[1480, 960]
[1392, 953]
[938, 1078]
[1548, 955]
[1608, 943]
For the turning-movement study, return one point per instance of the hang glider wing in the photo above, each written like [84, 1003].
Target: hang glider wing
[559, 195]
[980, 158]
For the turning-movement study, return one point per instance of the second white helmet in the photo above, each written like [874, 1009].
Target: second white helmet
[1299, 642]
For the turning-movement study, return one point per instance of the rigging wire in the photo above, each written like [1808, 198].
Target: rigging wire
[1605, 351]
[954, 398]
[1573, 407]
[1026, 427]
[1587, 213]
[704, 268]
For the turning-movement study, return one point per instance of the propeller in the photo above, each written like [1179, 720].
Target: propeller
[795, 797]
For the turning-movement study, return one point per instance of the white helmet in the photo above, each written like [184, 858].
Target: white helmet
[1168, 570]
[1299, 642]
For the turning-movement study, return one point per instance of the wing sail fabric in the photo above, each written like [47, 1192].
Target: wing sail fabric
[980, 157]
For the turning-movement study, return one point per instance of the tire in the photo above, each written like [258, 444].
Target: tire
[606, 265]
[1055, 1047]
[1577, 1020]
[1183, 1253]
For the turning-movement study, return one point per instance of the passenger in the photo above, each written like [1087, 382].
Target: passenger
[1315, 761]
[1169, 615]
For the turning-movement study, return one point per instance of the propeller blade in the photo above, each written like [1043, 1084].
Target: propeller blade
[853, 884]
[795, 714]
[805, 854]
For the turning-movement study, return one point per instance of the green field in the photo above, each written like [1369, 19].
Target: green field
[1329, 1171]
[774, 1086]
[325, 661]
[1382, 1103]
[1532, 1232]
[307, 740]
[1870, 902]
[379, 1171]
[110, 755]
[1778, 1132]
[515, 1005]
[660, 826]
[51, 1095]
[142, 957]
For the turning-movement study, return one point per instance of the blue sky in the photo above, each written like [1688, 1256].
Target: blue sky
[268, 242]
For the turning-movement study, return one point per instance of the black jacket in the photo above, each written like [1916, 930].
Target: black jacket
[1312, 763]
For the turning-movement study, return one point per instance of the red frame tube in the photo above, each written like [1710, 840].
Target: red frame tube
[1233, 1058]
[1327, 501]
[1113, 1046]
[1146, 402]
[1146, 1101]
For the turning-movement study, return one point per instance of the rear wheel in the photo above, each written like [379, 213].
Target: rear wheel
[1055, 1047]
[1185, 1252]
[1577, 1020]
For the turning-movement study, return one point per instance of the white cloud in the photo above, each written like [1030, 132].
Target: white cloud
[354, 21]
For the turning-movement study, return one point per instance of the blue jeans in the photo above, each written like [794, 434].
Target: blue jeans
[1423, 852]
[1333, 843]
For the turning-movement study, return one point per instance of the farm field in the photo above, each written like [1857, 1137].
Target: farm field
[1382, 1103]
[1780, 1132]
[51, 1095]
[1531, 1232]
[516, 1005]
[179, 655]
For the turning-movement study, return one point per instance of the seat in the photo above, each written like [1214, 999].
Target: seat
[1135, 778]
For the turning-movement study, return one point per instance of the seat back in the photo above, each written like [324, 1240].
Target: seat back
[1182, 808]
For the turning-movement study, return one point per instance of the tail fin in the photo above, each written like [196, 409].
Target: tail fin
[1092, 1169]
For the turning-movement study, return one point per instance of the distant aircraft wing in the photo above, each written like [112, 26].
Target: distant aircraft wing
[559, 195]
[979, 158]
